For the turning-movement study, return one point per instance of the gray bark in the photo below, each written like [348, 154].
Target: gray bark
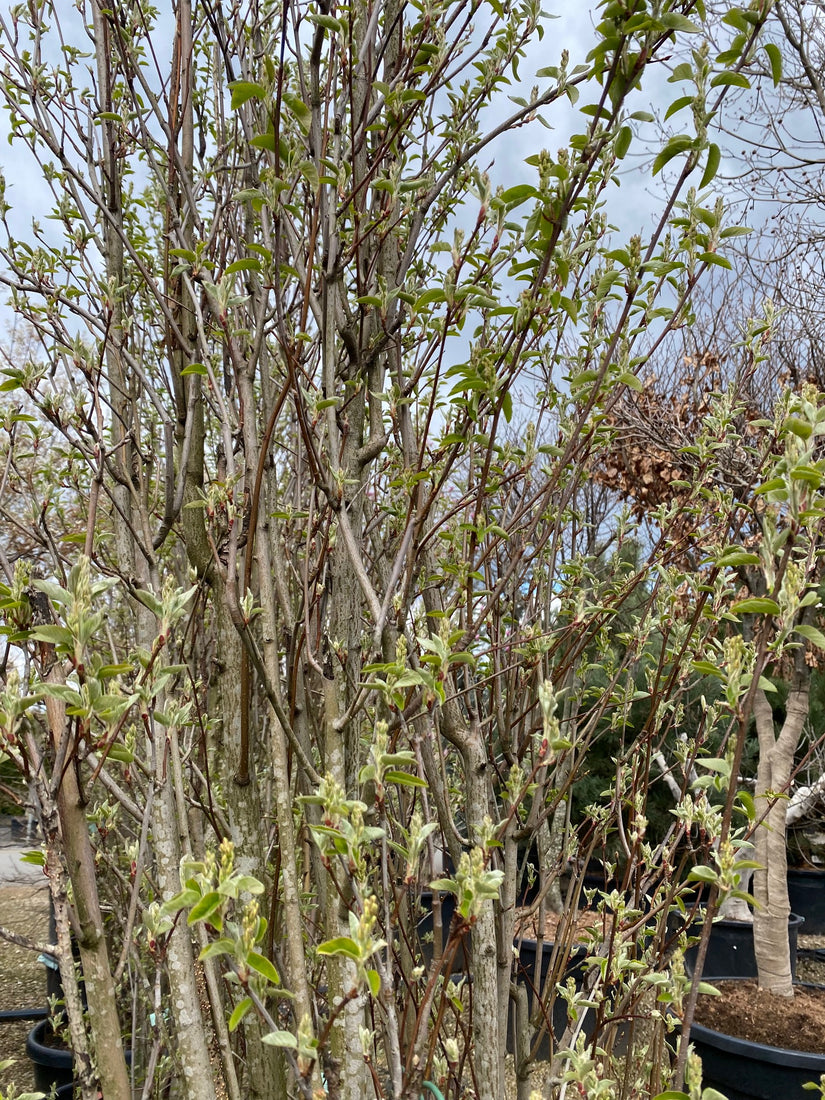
[776, 754]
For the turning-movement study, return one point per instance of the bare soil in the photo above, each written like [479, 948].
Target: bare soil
[23, 909]
[746, 1012]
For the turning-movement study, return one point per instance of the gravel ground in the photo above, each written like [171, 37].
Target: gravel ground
[810, 963]
[24, 908]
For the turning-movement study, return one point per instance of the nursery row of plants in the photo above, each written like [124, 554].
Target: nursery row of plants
[389, 539]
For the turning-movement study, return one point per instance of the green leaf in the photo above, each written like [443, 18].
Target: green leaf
[707, 668]
[715, 259]
[812, 634]
[681, 143]
[37, 859]
[515, 196]
[217, 947]
[731, 80]
[63, 692]
[242, 90]
[206, 908]
[629, 379]
[435, 294]
[798, 427]
[106, 671]
[263, 966]
[249, 263]
[281, 1039]
[775, 60]
[52, 635]
[264, 141]
[737, 556]
[403, 779]
[756, 605]
[340, 945]
[672, 1094]
[714, 764]
[299, 109]
[747, 803]
[810, 474]
[673, 21]
[248, 884]
[328, 22]
[445, 885]
[310, 174]
[712, 166]
[374, 980]
[677, 105]
[180, 901]
[250, 194]
[770, 486]
[682, 71]
[702, 874]
[623, 140]
[240, 1011]
[194, 368]
[121, 754]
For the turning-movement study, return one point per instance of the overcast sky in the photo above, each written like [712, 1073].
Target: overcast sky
[633, 207]
[573, 30]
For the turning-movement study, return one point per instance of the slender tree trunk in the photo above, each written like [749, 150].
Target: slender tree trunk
[776, 755]
[488, 1053]
[185, 1000]
[104, 1020]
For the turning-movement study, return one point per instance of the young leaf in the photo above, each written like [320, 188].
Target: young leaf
[702, 874]
[281, 1039]
[756, 605]
[623, 139]
[206, 909]
[674, 21]
[731, 80]
[263, 966]
[678, 144]
[241, 1009]
[775, 60]
[340, 945]
[812, 634]
[249, 263]
[712, 166]
[242, 90]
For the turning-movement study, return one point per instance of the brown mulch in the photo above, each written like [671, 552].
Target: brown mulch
[586, 921]
[746, 1012]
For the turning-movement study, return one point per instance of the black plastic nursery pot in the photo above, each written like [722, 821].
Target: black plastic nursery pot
[730, 949]
[806, 892]
[426, 932]
[526, 974]
[52, 1066]
[744, 1070]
